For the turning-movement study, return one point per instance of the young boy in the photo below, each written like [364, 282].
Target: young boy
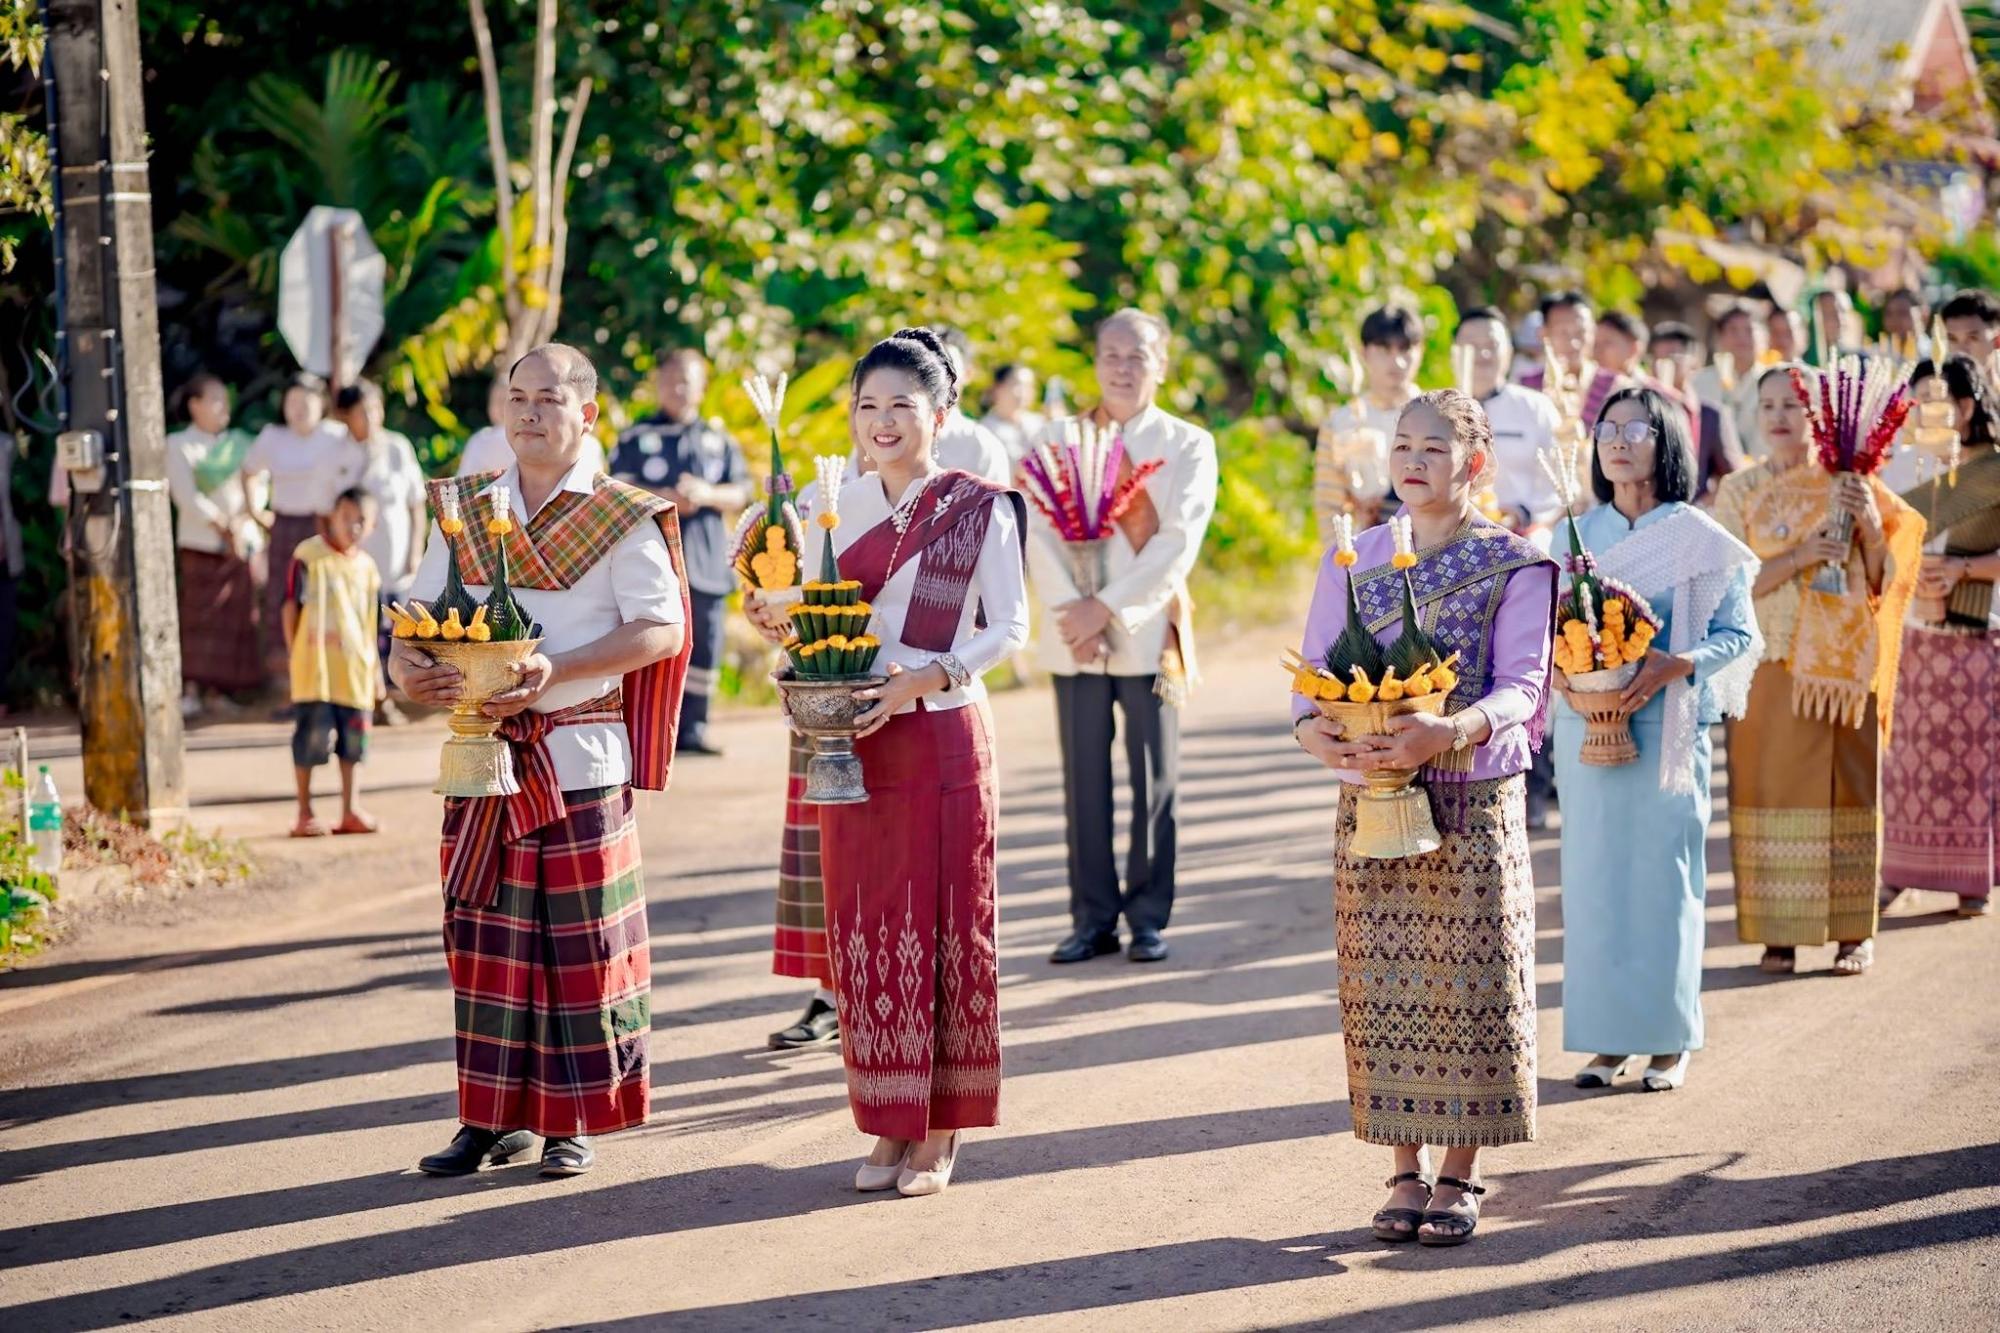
[330, 615]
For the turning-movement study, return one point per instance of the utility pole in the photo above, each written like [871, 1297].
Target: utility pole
[126, 625]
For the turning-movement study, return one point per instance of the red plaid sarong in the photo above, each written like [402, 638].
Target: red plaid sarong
[552, 980]
[798, 948]
[476, 845]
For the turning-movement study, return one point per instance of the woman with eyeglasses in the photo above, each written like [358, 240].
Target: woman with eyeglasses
[1941, 775]
[1803, 812]
[1634, 837]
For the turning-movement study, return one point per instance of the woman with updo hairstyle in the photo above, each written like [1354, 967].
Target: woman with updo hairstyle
[1437, 951]
[1941, 772]
[909, 874]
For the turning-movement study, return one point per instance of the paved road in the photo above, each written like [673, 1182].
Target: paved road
[210, 1119]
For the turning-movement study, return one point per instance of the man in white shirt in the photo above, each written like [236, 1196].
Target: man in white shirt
[1351, 455]
[545, 911]
[1126, 649]
[1524, 424]
[1729, 380]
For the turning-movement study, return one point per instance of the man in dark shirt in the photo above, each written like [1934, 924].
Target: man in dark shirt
[697, 465]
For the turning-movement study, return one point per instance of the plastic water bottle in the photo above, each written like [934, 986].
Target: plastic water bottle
[45, 824]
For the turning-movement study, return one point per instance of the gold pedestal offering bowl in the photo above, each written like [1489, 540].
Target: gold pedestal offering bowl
[823, 711]
[1392, 815]
[475, 761]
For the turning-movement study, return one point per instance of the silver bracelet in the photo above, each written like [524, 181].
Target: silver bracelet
[955, 671]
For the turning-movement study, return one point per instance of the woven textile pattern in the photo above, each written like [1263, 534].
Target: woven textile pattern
[910, 892]
[1941, 776]
[553, 982]
[218, 606]
[1803, 820]
[560, 544]
[1437, 979]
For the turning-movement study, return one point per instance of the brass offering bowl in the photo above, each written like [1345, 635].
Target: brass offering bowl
[1392, 815]
[475, 761]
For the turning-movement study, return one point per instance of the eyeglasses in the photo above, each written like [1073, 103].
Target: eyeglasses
[1634, 432]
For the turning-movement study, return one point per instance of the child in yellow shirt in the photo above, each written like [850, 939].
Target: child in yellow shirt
[331, 593]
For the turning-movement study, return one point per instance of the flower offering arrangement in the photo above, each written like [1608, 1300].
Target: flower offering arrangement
[1083, 481]
[488, 650]
[1856, 407]
[1360, 686]
[829, 654]
[1603, 630]
[769, 542]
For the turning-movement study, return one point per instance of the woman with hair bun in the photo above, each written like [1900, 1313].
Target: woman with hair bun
[1437, 951]
[909, 874]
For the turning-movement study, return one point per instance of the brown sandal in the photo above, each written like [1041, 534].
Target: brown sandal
[1779, 962]
[1384, 1221]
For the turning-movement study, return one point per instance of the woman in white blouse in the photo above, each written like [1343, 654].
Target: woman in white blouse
[309, 459]
[909, 874]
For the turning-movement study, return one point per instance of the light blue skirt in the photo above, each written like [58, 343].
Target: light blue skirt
[1634, 870]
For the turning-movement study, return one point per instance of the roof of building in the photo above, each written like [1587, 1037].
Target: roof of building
[1863, 41]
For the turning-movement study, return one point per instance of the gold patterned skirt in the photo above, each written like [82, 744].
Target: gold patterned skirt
[1437, 977]
[1803, 822]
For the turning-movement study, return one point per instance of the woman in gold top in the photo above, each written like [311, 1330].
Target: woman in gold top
[1802, 762]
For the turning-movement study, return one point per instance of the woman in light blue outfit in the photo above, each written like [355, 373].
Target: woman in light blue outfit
[1634, 837]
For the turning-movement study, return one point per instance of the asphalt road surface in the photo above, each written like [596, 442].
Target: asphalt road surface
[209, 1111]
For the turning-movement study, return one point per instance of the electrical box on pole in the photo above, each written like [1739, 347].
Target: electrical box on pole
[126, 626]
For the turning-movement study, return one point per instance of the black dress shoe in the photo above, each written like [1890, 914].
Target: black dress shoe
[1147, 947]
[697, 745]
[819, 1025]
[1084, 946]
[474, 1148]
[567, 1157]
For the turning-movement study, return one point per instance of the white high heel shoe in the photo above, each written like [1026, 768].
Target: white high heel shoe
[1600, 1076]
[1666, 1080]
[872, 1179]
[916, 1184]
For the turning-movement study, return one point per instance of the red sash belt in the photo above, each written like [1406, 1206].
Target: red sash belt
[472, 863]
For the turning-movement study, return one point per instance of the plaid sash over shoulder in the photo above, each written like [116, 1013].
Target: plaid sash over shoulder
[570, 535]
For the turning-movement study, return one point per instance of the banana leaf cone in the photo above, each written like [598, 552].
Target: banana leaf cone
[454, 597]
[1355, 647]
[829, 563]
[1413, 650]
[797, 658]
[503, 613]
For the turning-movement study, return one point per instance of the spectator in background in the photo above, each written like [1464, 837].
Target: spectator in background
[698, 465]
[1718, 450]
[1833, 329]
[1620, 348]
[1906, 321]
[1787, 336]
[1351, 459]
[487, 450]
[1010, 411]
[332, 605]
[1729, 380]
[392, 475]
[1569, 334]
[1524, 423]
[963, 443]
[215, 534]
[309, 460]
[1972, 325]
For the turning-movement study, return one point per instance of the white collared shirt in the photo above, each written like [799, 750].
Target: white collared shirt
[997, 585]
[635, 582]
[1524, 423]
[1139, 586]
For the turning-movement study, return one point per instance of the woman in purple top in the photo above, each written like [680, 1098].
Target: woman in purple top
[1437, 952]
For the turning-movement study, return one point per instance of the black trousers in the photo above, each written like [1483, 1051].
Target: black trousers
[1085, 723]
[707, 633]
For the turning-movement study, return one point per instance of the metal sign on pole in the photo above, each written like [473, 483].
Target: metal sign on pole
[330, 293]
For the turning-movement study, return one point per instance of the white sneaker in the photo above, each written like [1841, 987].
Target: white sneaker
[916, 1184]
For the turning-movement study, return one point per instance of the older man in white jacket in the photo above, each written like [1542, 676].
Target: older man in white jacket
[1127, 650]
